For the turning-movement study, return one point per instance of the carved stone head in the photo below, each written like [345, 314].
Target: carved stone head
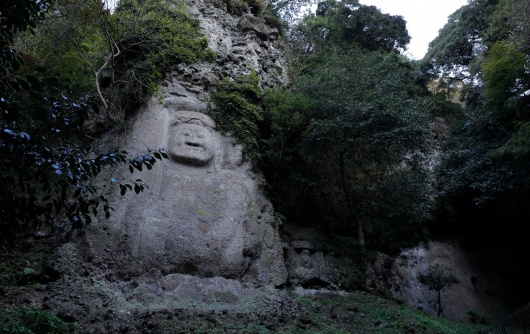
[191, 141]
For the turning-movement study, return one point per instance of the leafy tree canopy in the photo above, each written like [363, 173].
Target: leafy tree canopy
[506, 78]
[346, 22]
[123, 55]
[367, 133]
[484, 179]
[452, 52]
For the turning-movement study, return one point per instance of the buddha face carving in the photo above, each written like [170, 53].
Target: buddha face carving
[191, 144]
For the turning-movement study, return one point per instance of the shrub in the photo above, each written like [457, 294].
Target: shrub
[476, 317]
[256, 6]
[29, 321]
[237, 111]
[237, 7]
[274, 22]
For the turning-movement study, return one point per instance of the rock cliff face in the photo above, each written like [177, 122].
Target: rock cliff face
[202, 236]
[242, 44]
[203, 214]
[479, 286]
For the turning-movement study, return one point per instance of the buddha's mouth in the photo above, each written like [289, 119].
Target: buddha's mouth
[194, 146]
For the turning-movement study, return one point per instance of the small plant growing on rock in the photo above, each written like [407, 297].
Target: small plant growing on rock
[475, 317]
[437, 278]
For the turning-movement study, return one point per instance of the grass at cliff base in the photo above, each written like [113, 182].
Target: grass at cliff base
[356, 312]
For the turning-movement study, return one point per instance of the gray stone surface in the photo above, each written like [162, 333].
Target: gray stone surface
[257, 24]
[203, 214]
[242, 44]
[202, 236]
[311, 260]
[478, 287]
[96, 290]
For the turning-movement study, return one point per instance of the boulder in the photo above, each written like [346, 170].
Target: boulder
[258, 25]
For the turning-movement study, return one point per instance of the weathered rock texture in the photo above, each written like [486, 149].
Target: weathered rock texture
[203, 213]
[202, 236]
[312, 260]
[480, 287]
[242, 44]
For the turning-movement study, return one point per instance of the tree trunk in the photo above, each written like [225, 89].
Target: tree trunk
[439, 304]
[358, 221]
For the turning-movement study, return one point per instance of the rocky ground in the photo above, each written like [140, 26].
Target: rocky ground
[24, 309]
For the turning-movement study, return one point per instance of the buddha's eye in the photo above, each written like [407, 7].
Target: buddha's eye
[187, 134]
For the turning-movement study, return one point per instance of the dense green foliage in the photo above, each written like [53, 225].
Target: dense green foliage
[341, 23]
[366, 139]
[484, 176]
[24, 320]
[151, 37]
[477, 162]
[239, 7]
[46, 168]
[452, 53]
[123, 55]
[237, 111]
[286, 117]
[350, 165]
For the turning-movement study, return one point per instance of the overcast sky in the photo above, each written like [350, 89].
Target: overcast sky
[424, 19]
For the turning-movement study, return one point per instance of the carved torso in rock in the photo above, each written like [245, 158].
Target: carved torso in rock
[203, 214]
[203, 235]
[199, 222]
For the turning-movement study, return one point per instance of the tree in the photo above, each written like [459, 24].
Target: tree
[46, 169]
[437, 278]
[452, 53]
[483, 176]
[366, 134]
[506, 80]
[372, 29]
[342, 23]
[510, 23]
[145, 40]
[16, 17]
[134, 47]
[352, 164]
[286, 118]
